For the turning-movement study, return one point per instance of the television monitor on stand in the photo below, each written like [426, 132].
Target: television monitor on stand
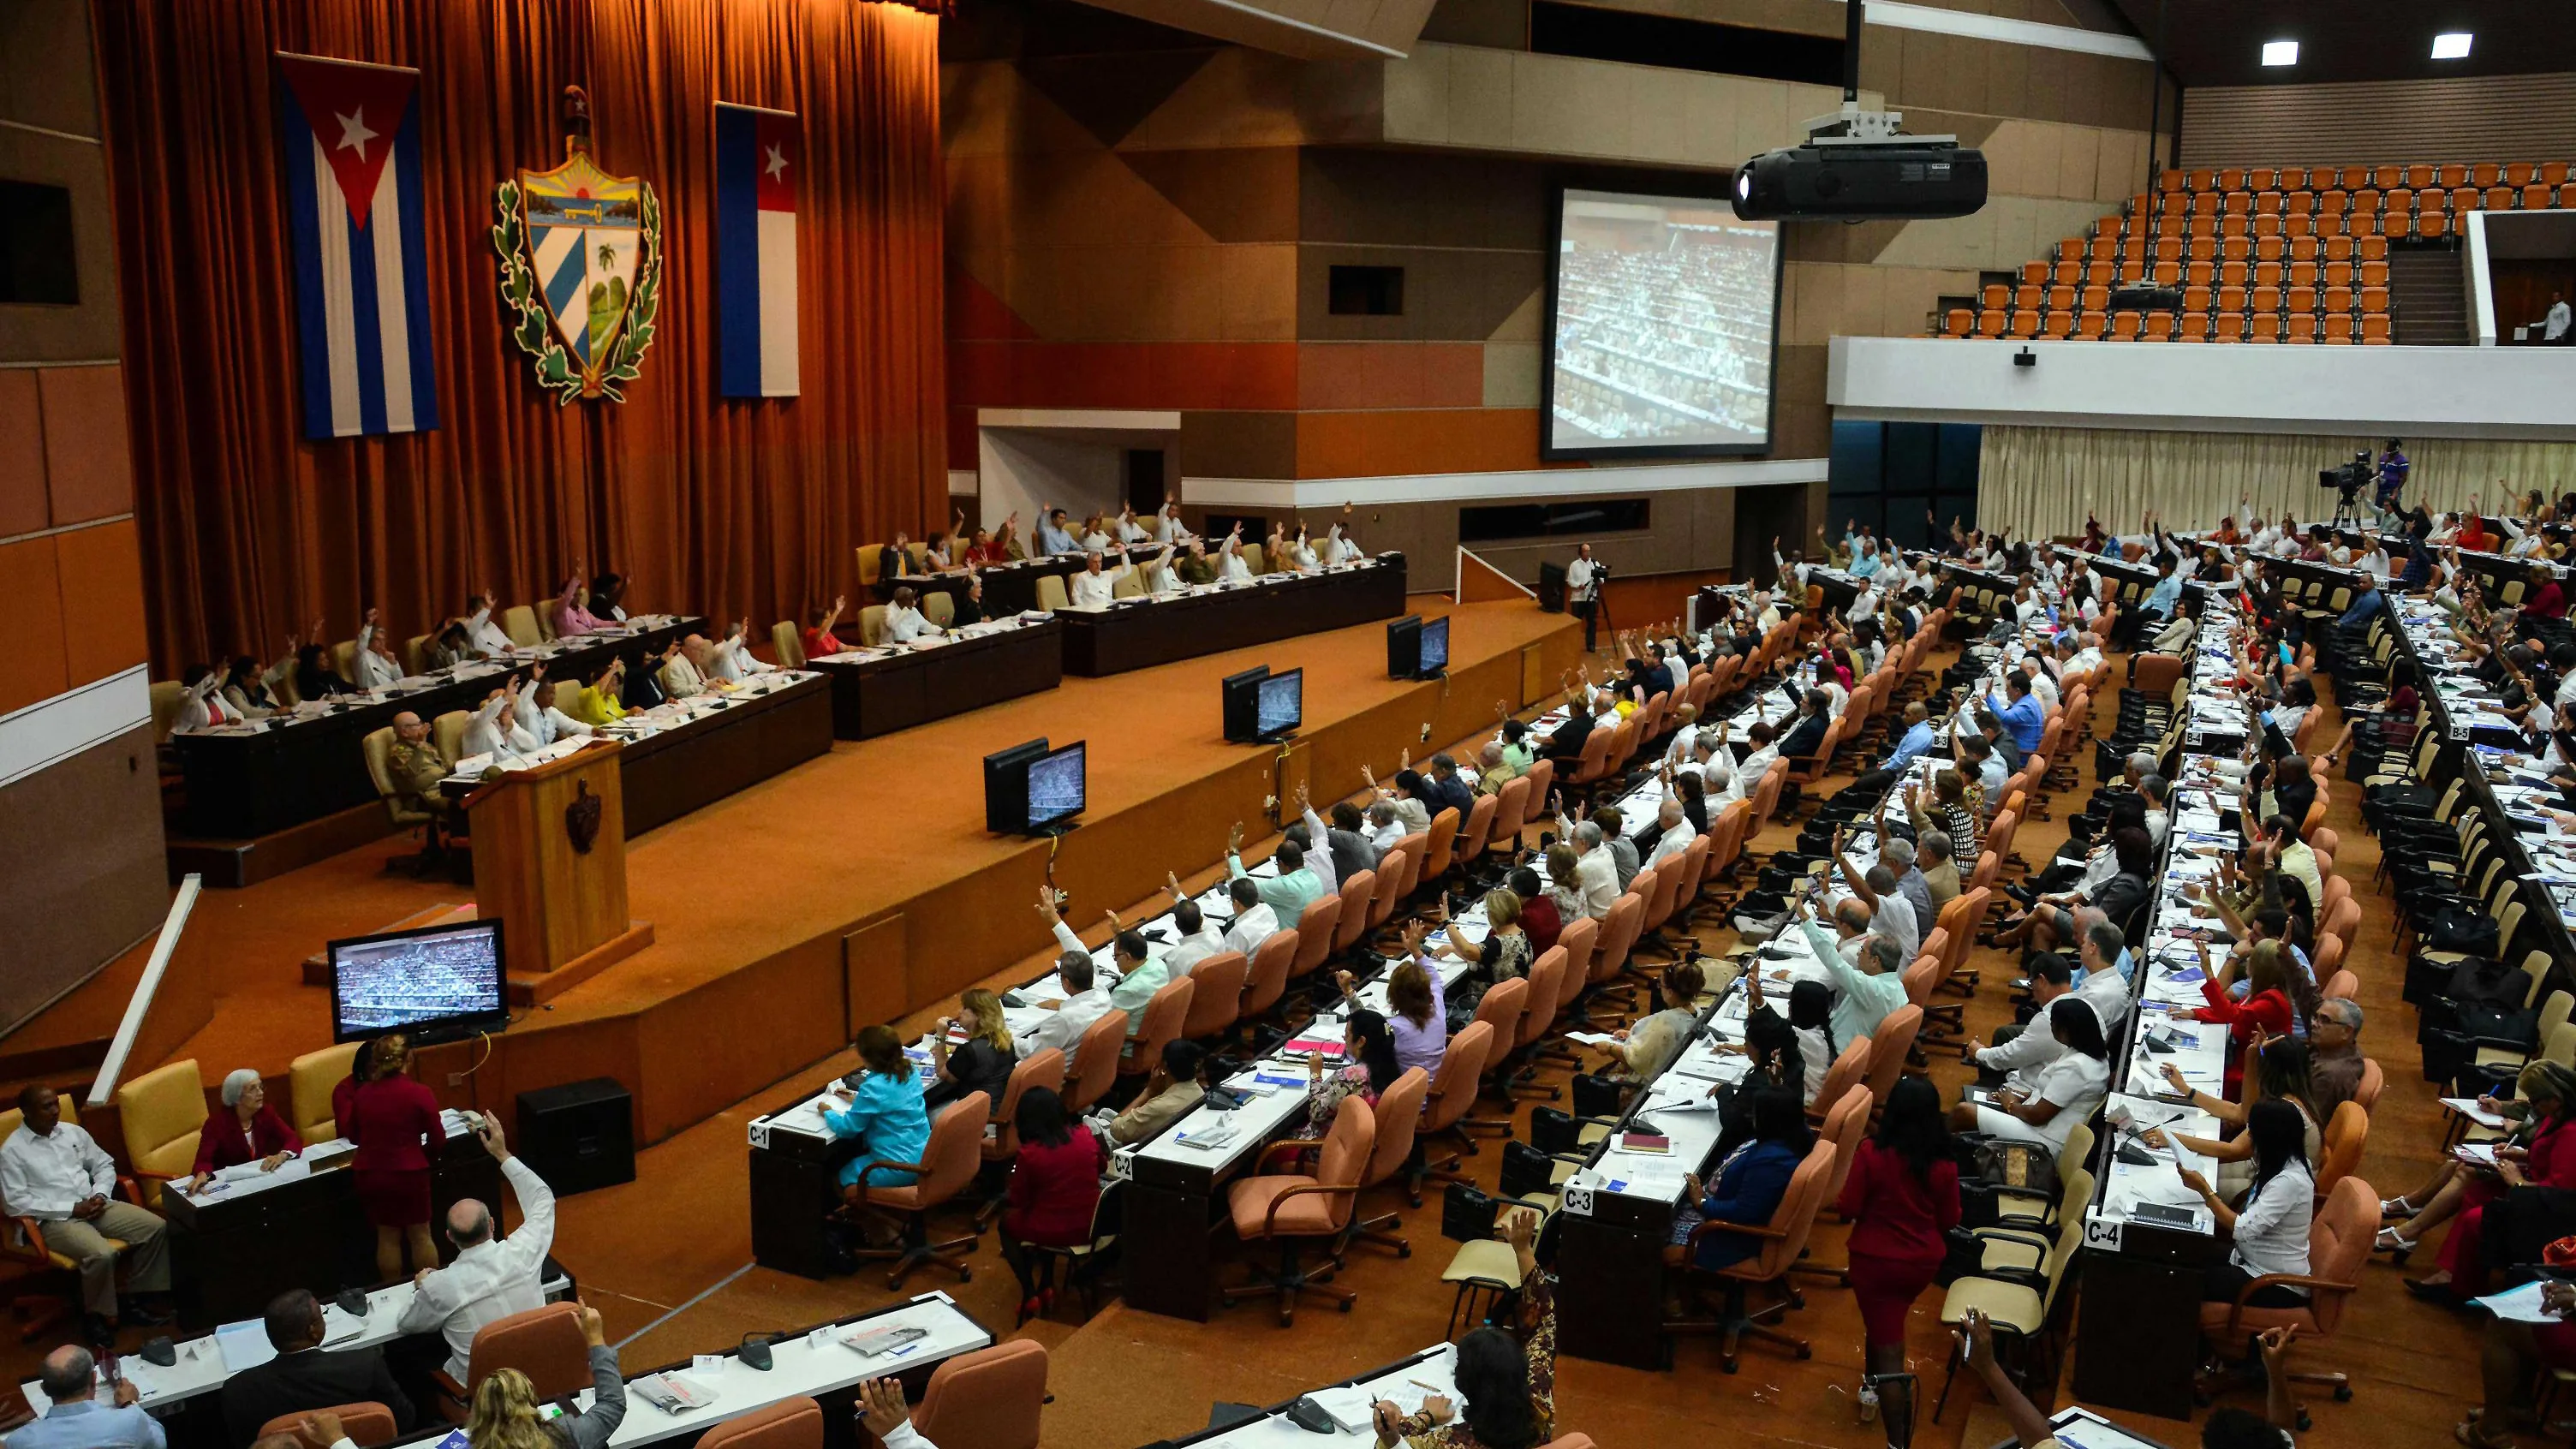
[1058, 788]
[1434, 659]
[1404, 647]
[433, 984]
[1006, 787]
[1241, 697]
[1282, 705]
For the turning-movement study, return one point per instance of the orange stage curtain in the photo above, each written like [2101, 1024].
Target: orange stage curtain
[706, 504]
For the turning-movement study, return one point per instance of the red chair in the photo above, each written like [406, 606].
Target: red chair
[365, 1424]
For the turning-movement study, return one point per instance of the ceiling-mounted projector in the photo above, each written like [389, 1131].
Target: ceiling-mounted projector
[1856, 166]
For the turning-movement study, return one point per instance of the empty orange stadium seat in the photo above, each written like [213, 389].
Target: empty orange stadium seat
[2266, 299]
[2166, 274]
[2267, 274]
[2124, 326]
[2374, 299]
[2299, 299]
[2235, 274]
[2200, 274]
[2102, 249]
[2231, 178]
[2338, 299]
[2353, 178]
[2027, 297]
[2298, 228]
[2168, 248]
[2534, 197]
[2484, 173]
[2292, 178]
[2100, 274]
[2566, 194]
[2195, 299]
[2266, 327]
[2361, 225]
[2498, 198]
[2394, 208]
[2520, 173]
[2374, 328]
[2267, 203]
[2365, 202]
[2271, 248]
[2024, 323]
[2261, 178]
[2335, 274]
[2303, 327]
[2374, 274]
[2061, 299]
[2203, 180]
[2205, 204]
[2331, 226]
[2230, 327]
[2554, 173]
[2159, 326]
[2419, 175]
[1960, 322]
[2089, 326]
[2339, 256]
[2034, 274]
[2071, 249]
[2267, 228]
[2235, 224]
[2338, 326]
[2060, 323]
[2204, 226]
[2468, 198]
[2195, 327]
[1996, 294]
[1990, 322]
[2236, 248]
[2303, 272]
[2332, 203]
[2133, 254]
[2432, 225]
[2097, 299]
[2205, 248]
[2299, 203]
[2305, 249]
[2170, 182]
[2231, 299]
[2371, 248]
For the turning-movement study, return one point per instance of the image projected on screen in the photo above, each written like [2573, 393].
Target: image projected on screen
[1435, 644]
[1056, 786]
[385, 985]
[1664, 310]
[1283, 703]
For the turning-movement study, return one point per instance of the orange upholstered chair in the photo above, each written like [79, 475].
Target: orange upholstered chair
[1783, 1238]
[1095, 1060]
[1390, 884]
[1452, 1092]
[545, 1343]
[1266, 979]
[1546, 984]
[1216, 994]
[1440, 846]
[1470, 845]
[1358, 896]
[988, 1399]
[1166, 1012]
[1399, 1118]
[947, 1165]
[2339, 1240]
[366, 1423]
[1511, 813]
[1292, 1208]
[1040, 1069]
[1315, 929]
[1887, 1050]
[1849, 1070]
[795, 1423]
[1415, 849]
[1503, 1016]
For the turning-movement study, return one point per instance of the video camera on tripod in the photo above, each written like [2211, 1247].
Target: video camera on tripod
[2347, 481]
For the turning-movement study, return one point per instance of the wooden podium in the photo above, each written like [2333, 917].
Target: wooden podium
[563, 906]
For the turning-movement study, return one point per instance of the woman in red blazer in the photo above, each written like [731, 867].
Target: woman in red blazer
[2266, 1009]
[245, 1131]
[1055, 1185]
[394, 1121]
[1902, 1199]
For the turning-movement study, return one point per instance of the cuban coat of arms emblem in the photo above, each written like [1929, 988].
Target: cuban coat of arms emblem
[581, 268]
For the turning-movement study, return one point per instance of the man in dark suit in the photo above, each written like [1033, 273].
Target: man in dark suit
[1565, 742]
[303, 1377]
[1809, 730]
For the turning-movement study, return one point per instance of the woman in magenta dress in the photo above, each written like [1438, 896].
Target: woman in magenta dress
[2548, 1161]
[394, 1121]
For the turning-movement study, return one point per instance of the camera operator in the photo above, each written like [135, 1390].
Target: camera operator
[1583, 591]
[2392, 476]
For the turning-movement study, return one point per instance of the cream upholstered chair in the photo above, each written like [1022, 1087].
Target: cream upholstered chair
[377, 748]
[26, 1245]
[872, 625]
[790, 647]
[162, 1113]
[940, 607]
[168, 697]
[311, 1079]
[519, 621]
[1051, 594]
[448, 732]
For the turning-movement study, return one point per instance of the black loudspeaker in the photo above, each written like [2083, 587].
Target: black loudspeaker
[1551, 587]
[578, 1136]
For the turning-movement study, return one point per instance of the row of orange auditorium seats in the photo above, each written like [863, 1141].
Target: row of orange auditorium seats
[2332, 327]
[2231, 296]
[2368, 201]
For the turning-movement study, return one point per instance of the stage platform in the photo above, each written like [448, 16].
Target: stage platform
[854, 888]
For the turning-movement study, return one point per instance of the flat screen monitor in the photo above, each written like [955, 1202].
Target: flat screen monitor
[1057, 786]
[1241, 697]
[1283, 704]
[1404, 647]
[1006, 787]
[1435, 647]
[436, 983]
[1662, 319]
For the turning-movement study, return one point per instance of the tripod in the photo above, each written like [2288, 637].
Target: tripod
[1596, 611]
[2348, 506]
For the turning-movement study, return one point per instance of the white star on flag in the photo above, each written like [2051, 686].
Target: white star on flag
[777, 163]
[354, 134]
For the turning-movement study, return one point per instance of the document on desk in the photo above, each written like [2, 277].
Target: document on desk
[2468, 1107]
[2520, 1305]
[245, 1345]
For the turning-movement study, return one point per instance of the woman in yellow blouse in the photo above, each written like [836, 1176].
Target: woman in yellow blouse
[595, 704]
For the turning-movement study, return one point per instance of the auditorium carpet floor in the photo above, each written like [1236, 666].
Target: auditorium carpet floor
[667, 1259]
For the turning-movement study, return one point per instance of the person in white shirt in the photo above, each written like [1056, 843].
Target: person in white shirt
[904, 621]
[1676, 834]
[205, 706]
[1197, 939]
[494, 730]
[1231, 568]
[1582, 582]
[1339, 546]
[1254, 920]
[491, 1278]
[733, 660]
[2554, 322]
[2019, 1052]
[54, 1173]
[1137, 970]
[1301, 554]
[536, 714]
[1890, 913]
[486, 637]
[2087, 656]
[2063, 1091]
[1167, 524]
[373, 659]
[1595, 870]
[1094, 587]
[1130, 530]
[1386, 828]
[679, 676]
[2042, 686]
[2270, 1229]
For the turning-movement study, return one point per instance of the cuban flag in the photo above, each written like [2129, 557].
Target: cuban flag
[758, 154]
[353, 201]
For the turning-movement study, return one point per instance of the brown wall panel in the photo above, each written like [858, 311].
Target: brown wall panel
[102, 583]
[81, 870]
[872, 978]
[1238, 444]
[2480, 118]
[23, 508]
[89, 468]
[1441, 440]
[791, 1002]
[31, 594]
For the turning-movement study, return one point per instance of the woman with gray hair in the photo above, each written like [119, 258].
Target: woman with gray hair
[244, 1131]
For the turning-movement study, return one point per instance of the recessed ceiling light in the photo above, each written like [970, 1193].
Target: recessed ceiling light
[2454, 46]
[2280, 52]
